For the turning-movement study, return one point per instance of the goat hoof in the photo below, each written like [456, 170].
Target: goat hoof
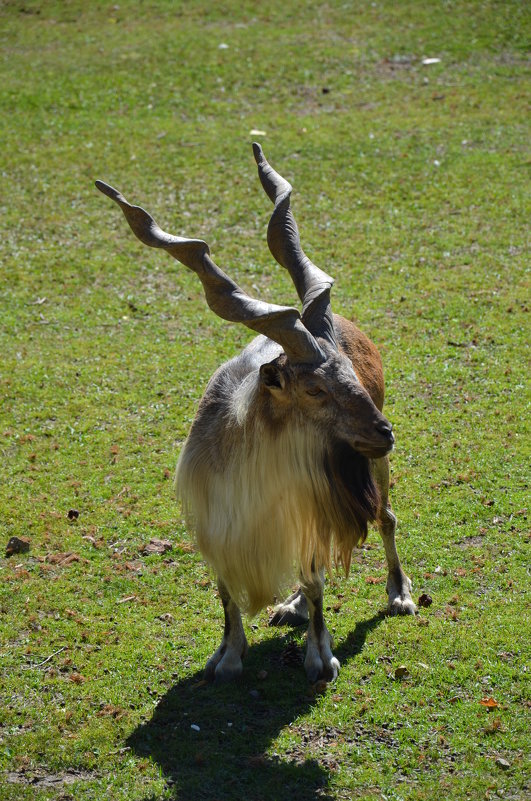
[222, 674]
[286, 616]
[399, 594]
[330, 670]
[322, 671]
[401, 606]
[223, 669]
[292, 612]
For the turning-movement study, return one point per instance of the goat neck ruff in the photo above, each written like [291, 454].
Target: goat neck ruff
[276, 502]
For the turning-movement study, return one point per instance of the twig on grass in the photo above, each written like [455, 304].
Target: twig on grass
[40, 664]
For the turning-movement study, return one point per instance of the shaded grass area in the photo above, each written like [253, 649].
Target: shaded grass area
[411, 188]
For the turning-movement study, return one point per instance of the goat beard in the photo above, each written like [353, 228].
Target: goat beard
[354, 497]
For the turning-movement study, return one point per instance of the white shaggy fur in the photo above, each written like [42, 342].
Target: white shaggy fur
[256, 518]
[255, 488]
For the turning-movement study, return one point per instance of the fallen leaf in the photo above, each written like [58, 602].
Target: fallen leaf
[374, 579]
[109, 710]
[73, 514]
[507, 656]
[77, 678]
[17, 545]
[489, 703]
[451, 613]
[62, 559]
[22, 574]
[401, 672]
[425, 600]
[155, 546]
[503, 763]
[71, 557]
[185, 547]
[135, 567]
[291, 655]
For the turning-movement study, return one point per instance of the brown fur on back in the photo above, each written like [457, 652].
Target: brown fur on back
[364, 356]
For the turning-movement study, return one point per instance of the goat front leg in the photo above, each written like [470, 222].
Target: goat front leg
[398, 584]
[320, 662]
[226, 663]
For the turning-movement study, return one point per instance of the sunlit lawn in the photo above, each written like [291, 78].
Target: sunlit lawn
[410, 187]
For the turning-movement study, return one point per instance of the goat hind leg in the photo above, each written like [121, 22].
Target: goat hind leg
[320, 662]
[226, 663]
[398, 584]
[291, 612]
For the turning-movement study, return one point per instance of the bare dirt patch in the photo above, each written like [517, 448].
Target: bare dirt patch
[41, 779]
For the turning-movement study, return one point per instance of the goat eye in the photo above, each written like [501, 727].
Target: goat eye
[315, 391]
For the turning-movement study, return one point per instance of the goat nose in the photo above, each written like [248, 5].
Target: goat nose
[385, 428]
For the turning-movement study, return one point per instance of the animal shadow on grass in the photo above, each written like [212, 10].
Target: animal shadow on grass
[212, 741]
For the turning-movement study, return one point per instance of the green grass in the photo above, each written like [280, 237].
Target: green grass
[411, 188]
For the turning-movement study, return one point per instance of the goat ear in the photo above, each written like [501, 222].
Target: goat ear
[272, 376]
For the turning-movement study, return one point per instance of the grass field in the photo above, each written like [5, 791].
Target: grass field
[411, 188]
